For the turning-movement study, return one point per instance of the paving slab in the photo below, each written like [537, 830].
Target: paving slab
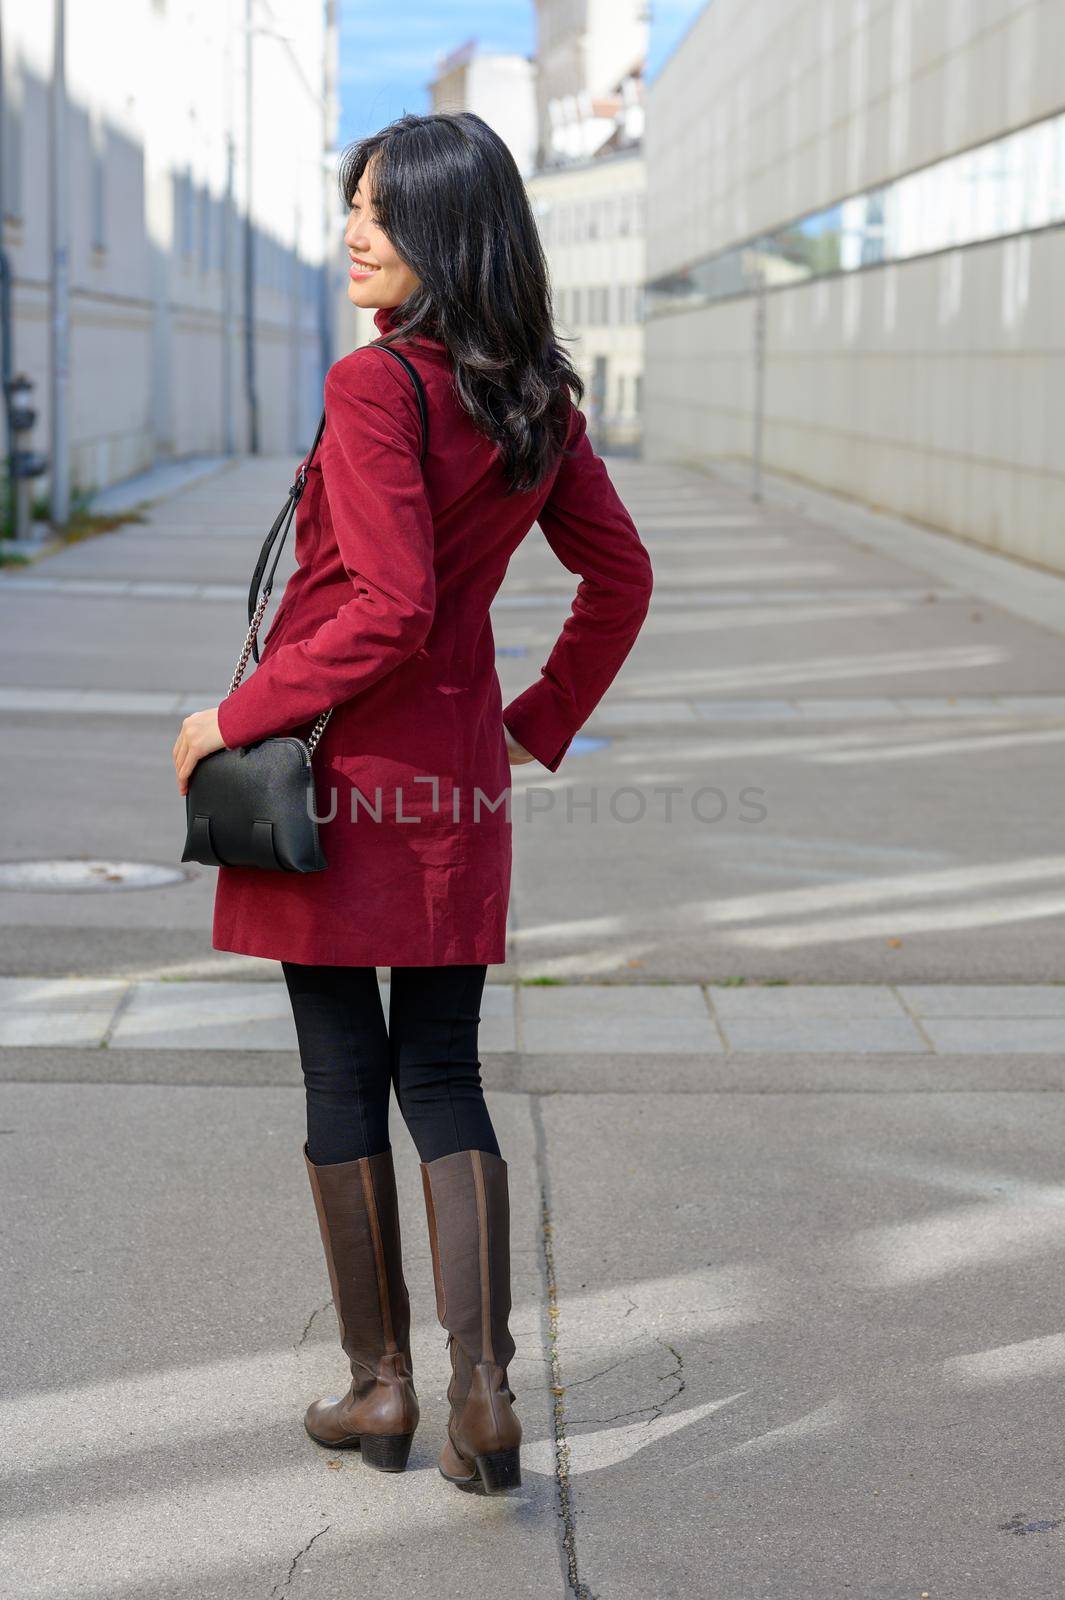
[786, 1002]
[826, 1035]
[153, 1443]
[672, 1017]
[984, 999]
[996, 1035]
[573, 1019]
[57, 1011]
[205, 1016]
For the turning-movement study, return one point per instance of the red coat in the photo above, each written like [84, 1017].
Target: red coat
[387, 620]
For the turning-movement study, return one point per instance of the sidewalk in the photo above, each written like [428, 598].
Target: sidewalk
[776, 1059]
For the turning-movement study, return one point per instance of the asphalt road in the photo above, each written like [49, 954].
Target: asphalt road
[776, 1060]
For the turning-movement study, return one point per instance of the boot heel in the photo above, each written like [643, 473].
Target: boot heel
[388, 1452]
[500, 1470]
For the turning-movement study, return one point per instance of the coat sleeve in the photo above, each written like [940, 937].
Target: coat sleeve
[383, 525]
[589, 529]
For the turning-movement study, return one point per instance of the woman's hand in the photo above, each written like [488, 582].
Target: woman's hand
[199, 737]
[517, 752]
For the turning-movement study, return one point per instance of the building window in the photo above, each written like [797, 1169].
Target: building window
[1006, 187]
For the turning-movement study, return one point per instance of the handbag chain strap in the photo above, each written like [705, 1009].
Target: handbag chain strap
[278, 534]
[242, 662]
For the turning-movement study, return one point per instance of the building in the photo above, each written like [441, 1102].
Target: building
[591, 220]
[588, 54]
[499, 87]
[588, 193]
[182, 304]
[893, 173]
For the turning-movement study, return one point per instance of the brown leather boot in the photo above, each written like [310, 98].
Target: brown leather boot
[467, 1204]
[359, 1221]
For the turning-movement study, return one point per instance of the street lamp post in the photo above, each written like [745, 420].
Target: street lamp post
[757, 443]
[60, 241]
[249, 239]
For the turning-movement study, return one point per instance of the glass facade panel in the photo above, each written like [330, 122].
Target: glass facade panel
[1009, 186]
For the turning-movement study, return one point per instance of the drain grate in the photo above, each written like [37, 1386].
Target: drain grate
[79, 875]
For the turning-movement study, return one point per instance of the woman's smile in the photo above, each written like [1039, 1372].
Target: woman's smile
[364, 232]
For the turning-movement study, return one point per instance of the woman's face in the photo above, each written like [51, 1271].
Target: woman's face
[377, 276]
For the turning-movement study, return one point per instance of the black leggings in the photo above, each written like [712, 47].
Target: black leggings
[428, 1054]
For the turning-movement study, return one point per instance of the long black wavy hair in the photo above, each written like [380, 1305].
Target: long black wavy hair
[448, 194]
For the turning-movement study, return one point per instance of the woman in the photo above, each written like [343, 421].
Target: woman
[387, 621]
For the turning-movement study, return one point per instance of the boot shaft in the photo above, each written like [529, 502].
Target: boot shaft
[358, 1217]
[467, 1203]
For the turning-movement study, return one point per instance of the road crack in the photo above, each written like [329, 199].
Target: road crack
[655, 1407]
[578, 1590]
[310, 1323]
[282, 1588]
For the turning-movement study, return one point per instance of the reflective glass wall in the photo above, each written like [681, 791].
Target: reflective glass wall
[1011, 185]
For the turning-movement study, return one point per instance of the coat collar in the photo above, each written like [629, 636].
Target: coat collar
[384, 319]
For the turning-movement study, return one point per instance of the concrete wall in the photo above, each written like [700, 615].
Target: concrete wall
[928, 387]
[591, 220]
[156, 360]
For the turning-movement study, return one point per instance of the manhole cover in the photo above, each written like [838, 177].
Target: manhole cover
[65, 876]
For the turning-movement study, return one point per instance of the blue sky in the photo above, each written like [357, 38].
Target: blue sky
[388, 53]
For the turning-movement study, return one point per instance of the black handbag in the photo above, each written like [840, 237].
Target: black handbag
[255, 806]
